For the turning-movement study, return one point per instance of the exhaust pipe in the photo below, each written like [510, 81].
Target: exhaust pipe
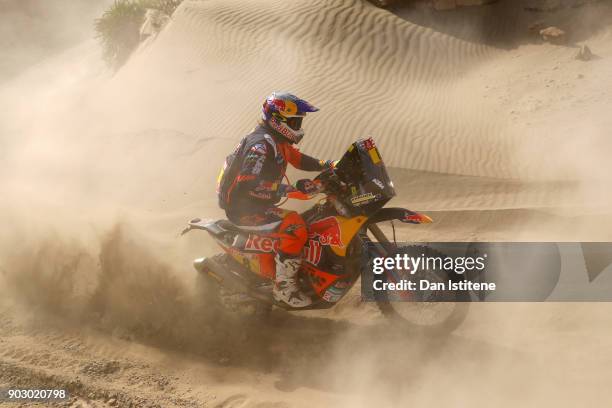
[224, 276]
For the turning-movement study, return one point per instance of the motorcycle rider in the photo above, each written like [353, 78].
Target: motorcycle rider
[250, 185]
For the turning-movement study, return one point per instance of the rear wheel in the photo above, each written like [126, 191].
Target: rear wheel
[211, 295]
[206, 289]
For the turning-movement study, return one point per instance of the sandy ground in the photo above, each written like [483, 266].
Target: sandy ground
[495, 135]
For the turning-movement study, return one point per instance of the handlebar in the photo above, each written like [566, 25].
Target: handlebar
[327, 183]
[298, 195]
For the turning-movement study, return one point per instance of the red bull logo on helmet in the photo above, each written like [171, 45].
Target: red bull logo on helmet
[327, 230]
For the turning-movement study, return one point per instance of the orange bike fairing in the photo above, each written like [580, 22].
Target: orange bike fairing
[348, 228]
[259, 263]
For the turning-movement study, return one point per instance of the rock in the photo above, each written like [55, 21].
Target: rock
[553, 35]
[536, 27]
[584, 54]
[112, 402]
[444, 4]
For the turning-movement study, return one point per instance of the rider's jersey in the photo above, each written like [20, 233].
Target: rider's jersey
[253, 173]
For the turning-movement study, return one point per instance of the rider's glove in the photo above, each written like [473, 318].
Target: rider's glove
[284, 189]
[328, 164]
[308, 187]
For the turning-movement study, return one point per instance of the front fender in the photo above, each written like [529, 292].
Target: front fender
[400, 214]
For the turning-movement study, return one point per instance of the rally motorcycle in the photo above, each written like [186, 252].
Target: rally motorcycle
[343, 237]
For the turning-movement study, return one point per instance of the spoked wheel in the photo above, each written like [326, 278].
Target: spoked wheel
[217, 299]
[429, 309]
[427, 316]
[207, 291]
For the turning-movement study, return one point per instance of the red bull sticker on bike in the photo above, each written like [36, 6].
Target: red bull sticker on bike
[312, 252]
[261, 244]
[327, 231]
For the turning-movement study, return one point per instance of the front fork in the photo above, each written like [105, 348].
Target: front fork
[382, 247]
[384, 242]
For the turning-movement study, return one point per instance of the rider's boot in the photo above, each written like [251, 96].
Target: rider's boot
[286, 288]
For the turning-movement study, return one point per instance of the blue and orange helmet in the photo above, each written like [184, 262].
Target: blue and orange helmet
[284, 112]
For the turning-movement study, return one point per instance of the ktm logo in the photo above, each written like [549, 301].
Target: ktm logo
[261, 244]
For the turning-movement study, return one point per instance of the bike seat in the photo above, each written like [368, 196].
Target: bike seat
[249, 229]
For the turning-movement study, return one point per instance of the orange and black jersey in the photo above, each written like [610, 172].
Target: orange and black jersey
[256, 171]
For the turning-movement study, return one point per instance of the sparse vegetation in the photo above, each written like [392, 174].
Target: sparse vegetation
[119, 27]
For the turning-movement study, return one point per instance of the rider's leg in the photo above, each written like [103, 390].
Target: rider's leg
[292, 235]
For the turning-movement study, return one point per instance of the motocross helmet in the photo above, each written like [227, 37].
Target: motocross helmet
[283, 113]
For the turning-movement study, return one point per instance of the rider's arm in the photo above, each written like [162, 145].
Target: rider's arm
[302, 161]
[304, 189]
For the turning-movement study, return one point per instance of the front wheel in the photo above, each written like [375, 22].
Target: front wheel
[433, 310]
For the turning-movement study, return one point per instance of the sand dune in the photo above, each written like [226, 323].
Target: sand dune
[433, 102]
[369, 71]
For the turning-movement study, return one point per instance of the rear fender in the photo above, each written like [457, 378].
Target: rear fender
[400, 214]
[209, 226]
